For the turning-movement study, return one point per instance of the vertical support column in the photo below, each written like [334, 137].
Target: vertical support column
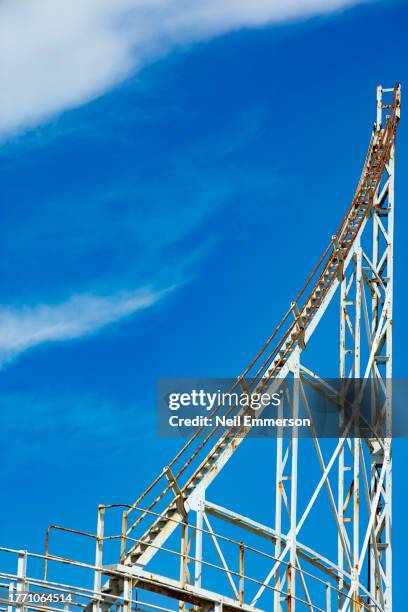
[357, 441]
[357, 314]
[183, 556]
[374, 579]
[124, 534]
[241, 573]
[388, 374]
[278, 509]
[374, 295]
[293, 490]
[343, 311]
[356, 520]
[11, 590]
[379, 106]
[127, 594]
[199, 543]
[98, 558]
[350, 366]
[341, 470]
[328, 597]
[21, 577]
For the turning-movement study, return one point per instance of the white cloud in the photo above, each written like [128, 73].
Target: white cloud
[56, 55]
[26, 327]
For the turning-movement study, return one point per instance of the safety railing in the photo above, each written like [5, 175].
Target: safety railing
[239, 569]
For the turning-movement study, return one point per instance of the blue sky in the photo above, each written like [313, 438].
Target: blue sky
[159, 215]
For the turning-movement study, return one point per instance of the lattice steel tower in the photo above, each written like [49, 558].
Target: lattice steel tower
[166, 543]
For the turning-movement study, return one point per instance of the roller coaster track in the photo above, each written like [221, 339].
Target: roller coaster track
[273, 362]
[149, 525]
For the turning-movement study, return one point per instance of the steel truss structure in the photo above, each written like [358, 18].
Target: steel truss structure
[167, 545]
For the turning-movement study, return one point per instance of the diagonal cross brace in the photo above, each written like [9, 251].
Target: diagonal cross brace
[179, 497]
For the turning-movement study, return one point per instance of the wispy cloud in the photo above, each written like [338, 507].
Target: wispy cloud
[57, 55]
[24, 328]
[72, 262]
